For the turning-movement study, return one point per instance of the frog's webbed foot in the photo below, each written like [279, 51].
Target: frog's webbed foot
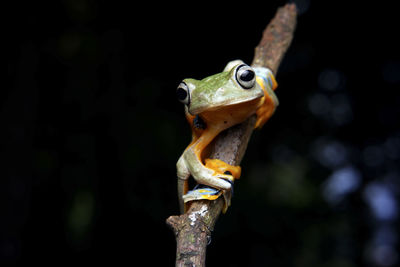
[223, 170]
[265, 111]
[218, 174]
[215, 177]
[267, 82]
[220, 166]
[209, 193]
[209, 189]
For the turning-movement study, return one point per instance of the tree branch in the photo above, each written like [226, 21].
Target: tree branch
[193, 229]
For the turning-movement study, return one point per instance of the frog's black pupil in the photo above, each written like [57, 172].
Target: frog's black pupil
[247, 75]
[181, 94]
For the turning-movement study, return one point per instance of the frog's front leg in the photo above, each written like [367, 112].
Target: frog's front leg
[190, 164]
[203, 174]
[269, 102]
[210, 172]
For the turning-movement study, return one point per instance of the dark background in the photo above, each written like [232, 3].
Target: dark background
[91, 131]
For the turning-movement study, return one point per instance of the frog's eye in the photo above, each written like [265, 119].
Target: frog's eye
[182, 93]
[245, 76]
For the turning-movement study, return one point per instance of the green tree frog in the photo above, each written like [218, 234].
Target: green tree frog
[212, 105]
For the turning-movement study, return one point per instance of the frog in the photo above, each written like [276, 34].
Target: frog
[212, 105]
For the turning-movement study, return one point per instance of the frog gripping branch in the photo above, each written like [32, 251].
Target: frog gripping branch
[222, 110]
[212, 105]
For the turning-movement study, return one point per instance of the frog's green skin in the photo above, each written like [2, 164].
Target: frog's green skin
[211, 106]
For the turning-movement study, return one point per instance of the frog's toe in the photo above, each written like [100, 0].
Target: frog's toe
[221, 182]
[266, 110]
[219, 166]
[202, 192]
[227, 177]
[231, 182]
[225, 182]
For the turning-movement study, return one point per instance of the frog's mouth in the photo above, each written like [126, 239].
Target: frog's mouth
[233, 113]
[218, 105]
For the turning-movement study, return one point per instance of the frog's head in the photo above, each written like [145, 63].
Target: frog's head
[236, 84]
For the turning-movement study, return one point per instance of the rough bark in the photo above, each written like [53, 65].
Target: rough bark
[193, 229]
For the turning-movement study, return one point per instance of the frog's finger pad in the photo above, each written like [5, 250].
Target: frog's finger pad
[202, 193]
